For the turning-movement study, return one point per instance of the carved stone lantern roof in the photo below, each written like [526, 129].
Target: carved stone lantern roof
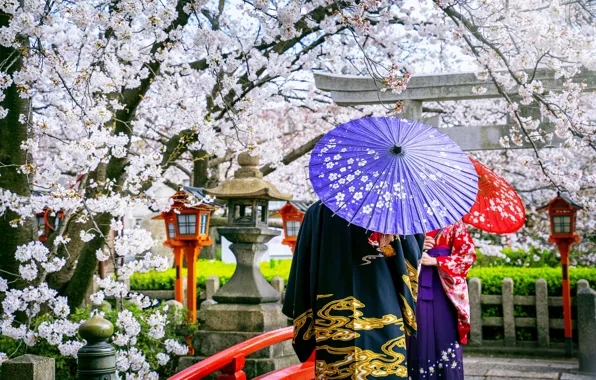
[248, 182]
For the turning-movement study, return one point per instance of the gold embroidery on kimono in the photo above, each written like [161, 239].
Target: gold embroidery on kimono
[408, 283]
[319, 296]
[409, 315]
[337, 327]
[300, 322]
[358, 363]
[413, 274]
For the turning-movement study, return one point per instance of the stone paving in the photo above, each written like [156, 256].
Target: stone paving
[495, 368]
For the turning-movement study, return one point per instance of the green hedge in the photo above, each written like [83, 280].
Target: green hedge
[523, 278]
[205, 269]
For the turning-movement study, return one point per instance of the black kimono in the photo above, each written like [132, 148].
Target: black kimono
[349, 301]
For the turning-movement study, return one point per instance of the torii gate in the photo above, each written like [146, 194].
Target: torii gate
[349, 90]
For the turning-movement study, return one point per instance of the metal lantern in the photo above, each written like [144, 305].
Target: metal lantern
[562, 214]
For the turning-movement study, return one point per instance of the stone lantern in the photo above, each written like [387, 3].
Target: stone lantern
[247, 305]
[247, 196]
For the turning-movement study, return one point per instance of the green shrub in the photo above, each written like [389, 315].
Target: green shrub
[532, 258]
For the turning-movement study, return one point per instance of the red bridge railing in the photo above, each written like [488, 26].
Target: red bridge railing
[231, 361]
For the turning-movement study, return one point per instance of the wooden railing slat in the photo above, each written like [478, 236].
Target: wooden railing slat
[558, 301]
[492, 321]
[525, 322]
[491, 299]
[524, 300]
[559, 324]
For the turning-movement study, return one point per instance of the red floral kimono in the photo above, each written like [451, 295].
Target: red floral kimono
[453, 270]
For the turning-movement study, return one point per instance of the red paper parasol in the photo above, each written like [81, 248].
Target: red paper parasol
[498, 208]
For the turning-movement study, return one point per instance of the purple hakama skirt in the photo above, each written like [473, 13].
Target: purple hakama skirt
[436, 352]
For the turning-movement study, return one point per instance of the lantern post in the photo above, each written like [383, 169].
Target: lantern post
[187, 231]
[292, 214]
[562, 215]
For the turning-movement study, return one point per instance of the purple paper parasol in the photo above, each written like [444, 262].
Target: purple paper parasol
[393, 176]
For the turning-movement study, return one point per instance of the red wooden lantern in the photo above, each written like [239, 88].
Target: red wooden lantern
[562, 212]
[562, 215]
[48, 221]
[187, 231]
[185, 222]
[292, 214]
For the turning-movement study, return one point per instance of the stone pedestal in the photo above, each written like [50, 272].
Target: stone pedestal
[28, 367]
[247, 285]
[247, 305]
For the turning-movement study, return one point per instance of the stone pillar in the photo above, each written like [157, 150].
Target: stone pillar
[475, 292]
[97, 359]
[247, 285]
[175, 305]
[412, 110]
[278, 284]
[184, 290]
[581, 284]
[211, 287]
[586, 321]
[210, 251]
[246, 306]
[29, 367]
[508, 319]
[542, 321]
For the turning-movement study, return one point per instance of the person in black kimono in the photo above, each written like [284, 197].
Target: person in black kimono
[352, 297]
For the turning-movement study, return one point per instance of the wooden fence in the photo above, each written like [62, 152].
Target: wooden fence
[509, 322]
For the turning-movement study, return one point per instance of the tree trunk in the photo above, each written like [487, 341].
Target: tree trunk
[199, 168]
[86, 267]
[12, 134]
[62, 279]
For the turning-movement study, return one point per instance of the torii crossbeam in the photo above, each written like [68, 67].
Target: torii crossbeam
[349, 90]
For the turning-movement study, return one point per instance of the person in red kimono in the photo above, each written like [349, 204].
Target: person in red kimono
[442, 306]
